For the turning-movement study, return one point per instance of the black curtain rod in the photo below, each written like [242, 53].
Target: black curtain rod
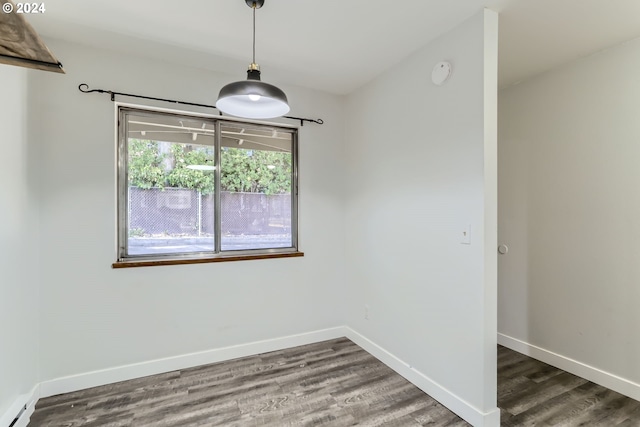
[84, 88]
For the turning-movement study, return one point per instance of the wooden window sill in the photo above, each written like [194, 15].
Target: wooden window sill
[223, 258]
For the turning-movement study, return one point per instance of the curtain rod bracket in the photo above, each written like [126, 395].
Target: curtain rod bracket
[84, 88]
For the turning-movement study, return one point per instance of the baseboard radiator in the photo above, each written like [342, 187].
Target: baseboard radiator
[16, 420]
[19, 414]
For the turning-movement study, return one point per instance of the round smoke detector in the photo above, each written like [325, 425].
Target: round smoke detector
[441, 73]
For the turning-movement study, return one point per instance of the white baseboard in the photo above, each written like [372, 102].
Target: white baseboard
[26, 402]
[462, 408]
[598, 376]
[159, 366]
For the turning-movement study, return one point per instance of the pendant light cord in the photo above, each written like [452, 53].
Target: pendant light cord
[254, 32]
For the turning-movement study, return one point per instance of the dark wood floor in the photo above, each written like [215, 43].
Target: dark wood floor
[333, 383]
[532, 393]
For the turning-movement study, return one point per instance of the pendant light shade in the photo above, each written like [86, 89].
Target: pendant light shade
[252, 98]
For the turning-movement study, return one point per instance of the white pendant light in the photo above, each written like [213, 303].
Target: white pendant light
[252, 98]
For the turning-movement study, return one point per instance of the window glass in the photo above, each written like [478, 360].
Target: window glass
[256, 182]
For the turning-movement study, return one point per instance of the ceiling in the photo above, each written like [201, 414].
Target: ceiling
[337, 45]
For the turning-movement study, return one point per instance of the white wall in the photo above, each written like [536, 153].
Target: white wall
[18, 245]
[421, 166]
[569, 191]
[94, 317]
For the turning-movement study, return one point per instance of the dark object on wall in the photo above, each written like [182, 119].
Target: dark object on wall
[20, 44]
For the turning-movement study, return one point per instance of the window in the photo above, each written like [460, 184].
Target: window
[197, 188]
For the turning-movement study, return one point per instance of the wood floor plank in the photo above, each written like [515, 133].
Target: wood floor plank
[571, 405]
[556, 410]
[510, 386]
[538, 393]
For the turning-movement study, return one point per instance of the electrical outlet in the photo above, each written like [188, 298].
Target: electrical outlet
[366, 312]
[466, 235]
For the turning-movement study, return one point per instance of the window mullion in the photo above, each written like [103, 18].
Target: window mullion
[217, 199]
